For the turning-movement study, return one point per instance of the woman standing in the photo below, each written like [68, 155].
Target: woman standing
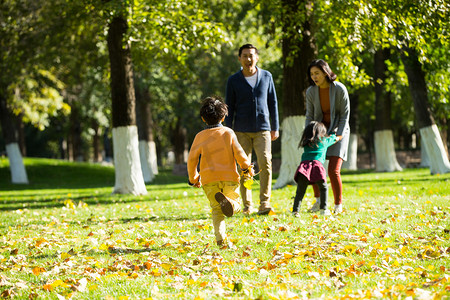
[327, 101]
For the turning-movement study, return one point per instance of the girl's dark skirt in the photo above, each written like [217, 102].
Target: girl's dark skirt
[313, 170]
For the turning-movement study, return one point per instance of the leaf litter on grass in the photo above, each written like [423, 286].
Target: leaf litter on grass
[379, 249]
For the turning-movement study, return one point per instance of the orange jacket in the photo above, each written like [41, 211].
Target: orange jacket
[218, 150]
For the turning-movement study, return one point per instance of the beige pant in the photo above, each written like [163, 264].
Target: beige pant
[261, 142]
[229, 189]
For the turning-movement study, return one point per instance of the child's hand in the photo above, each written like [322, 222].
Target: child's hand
[251, 171]
[198, 184]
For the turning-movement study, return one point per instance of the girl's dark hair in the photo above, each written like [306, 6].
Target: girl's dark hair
[213, 110]
[322, 65]
[312, 134]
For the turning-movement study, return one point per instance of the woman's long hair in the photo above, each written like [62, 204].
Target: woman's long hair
[312, 134]
[322, 65]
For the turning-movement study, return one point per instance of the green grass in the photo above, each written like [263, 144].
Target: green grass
[66, 235]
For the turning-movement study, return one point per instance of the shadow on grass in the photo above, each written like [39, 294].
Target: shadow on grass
[46, 201]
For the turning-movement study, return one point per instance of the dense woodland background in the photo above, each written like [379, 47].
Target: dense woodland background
[74, 70]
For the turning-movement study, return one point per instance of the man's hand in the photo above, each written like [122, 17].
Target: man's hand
[274, 134]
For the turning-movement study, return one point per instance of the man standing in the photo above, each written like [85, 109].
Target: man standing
[253, 114]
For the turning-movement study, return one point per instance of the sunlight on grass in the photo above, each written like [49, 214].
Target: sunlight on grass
[66, 236]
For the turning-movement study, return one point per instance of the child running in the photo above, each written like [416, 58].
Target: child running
[311, 169]
[217, 149]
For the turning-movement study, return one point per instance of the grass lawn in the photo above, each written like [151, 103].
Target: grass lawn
[66, 236]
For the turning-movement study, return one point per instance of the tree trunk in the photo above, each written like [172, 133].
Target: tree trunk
[429, 133]
[108, 152]
[299, 49]
[352, 156]
[291, 153]
[179, 143]
[76, 151]
[96, 141]
[385, 159]
[16, 165]
[21, 134]
[129, 178]
[147, 147]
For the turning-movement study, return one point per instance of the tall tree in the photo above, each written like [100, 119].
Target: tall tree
[299, 49]
[28, 87]
[429, 132]
[147, 146]
[129, 178]
[386, 161]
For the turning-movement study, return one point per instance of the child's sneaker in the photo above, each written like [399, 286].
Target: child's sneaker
[295, 214]
[338, 209]
[315, 207]
[225, 204]
[325, 212]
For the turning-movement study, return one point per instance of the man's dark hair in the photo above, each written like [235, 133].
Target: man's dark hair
[247, 46]
[213, 110]
[322, 65]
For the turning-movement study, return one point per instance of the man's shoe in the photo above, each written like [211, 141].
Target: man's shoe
[315, 207]
[264, 211]
[295, 214]
[338, 209]
[225, 204]
[325, 212]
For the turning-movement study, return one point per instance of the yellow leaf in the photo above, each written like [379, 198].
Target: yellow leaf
[59, 282]
[155, 272]
[40, 241]
[93, 287]
[103, 247]
[37, 270]
[248, 183]
[65, 255]
[124, 298]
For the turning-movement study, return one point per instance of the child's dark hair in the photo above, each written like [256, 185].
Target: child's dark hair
[213, 110]
[312, 134]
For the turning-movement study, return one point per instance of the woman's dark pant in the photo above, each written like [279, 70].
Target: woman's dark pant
[302, 184]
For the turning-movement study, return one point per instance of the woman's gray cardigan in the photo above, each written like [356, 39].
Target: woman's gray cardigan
[340, 114]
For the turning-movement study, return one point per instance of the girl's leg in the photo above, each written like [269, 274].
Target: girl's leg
[334, 171]
[302, 184]
[323, 187]
[316, 191]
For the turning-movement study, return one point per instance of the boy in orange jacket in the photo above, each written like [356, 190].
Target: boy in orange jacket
[217, 149]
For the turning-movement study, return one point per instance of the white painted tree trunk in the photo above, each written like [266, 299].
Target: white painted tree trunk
[424, 159]
[352, 155]
[385, 159]
[18, 172]
[129, 178]
[291, 155]
[431, 139]
[147, 152]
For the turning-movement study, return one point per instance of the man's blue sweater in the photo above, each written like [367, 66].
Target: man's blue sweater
[252, 109]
